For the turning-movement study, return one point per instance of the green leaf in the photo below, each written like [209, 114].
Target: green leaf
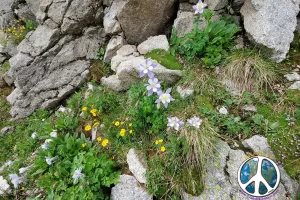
[274, 125]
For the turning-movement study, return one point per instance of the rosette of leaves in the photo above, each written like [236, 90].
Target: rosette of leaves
[210, 44]
[56, 179]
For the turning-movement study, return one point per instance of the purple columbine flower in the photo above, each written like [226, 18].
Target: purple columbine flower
[164, 98]
[175, 123]
[16, 180]
[147, 68]
[195, 121]
[199, 7]
[50, 160]
[153, 86]
[77, 174]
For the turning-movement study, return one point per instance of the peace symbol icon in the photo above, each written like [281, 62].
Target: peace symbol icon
[258, 176]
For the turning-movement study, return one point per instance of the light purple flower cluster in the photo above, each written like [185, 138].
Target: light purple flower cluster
[147, 68]
[199, 7]
[195, 121]
[153, 85]
[175, 123]
[164, 98]
[16, 180]
[77, 175]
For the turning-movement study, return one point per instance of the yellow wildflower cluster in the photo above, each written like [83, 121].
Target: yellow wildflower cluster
[87, 127]
[158, 142]
[123, 126]
[17, 32]
[122, 132]
[104, 142]
[94, 112]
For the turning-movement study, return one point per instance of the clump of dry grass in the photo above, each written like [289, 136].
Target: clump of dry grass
[201, 146]
[249, 72]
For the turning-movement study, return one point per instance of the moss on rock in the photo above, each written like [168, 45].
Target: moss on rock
[164, 58]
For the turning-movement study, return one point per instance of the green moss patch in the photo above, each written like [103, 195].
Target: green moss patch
[164, 58]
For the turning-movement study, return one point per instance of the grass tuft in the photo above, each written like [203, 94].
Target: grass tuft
[250, 72]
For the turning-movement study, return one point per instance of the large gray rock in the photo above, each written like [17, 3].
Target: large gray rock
[114, 44]
[127, 73]
[141, 19]
[216, 4]
[34, 5]
[80, 13]
[53, 61]
[110, 21]
[155, 42]
[6, 14]
[39, 41]
[50, 71]
[137, 165]
[184, 22]
[127, 188]
[270, 24]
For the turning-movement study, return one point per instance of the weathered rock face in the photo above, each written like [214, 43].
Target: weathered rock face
[137, 165]
[221, 178]
[270, 24]
[141, 19]
[216, 4]
[127, 73]
[128, 189]
[156, 42]
[52, 62]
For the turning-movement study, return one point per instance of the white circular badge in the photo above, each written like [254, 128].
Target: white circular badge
[258, 176]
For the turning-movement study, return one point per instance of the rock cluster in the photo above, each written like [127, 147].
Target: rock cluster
[126, 60]
[293, 77]
[221, 178]
[53, 61]
[129, 187]
[271, 25]
[138, 20]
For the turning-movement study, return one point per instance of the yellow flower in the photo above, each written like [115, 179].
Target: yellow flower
[22, 188]
[99, 139]
[104, 143]
[83, 145]
[130, 124]
[87, 128]
[93, 110]
[84, 108]
[22, 27]
[156, 142]
[117, 123]
[122, 132]
[130, 131]
[162, 149]
[161, 140]
[96, 124]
